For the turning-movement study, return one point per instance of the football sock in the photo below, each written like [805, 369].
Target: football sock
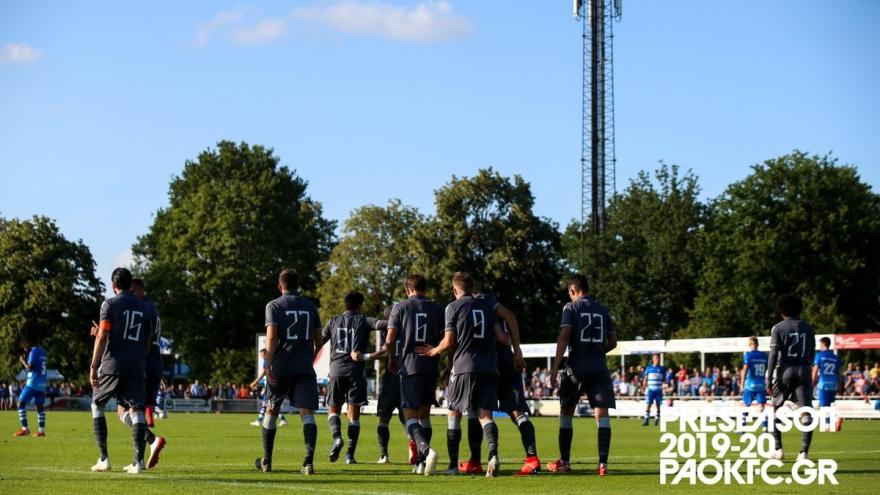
[415, 431]
[384, 436]
[310, 434]
[269, 431]
[453, 439]
[99, 425]
[354, 432]
[149, 436]
[490, 431]
[138, 432]
[427, 430]
[565, 435]
[806, 436]
[527, 434]
[604, 439]
[335, 425]
[261, 413]
[777, 434]
[41, 418]
[475, 436]
[22, 417]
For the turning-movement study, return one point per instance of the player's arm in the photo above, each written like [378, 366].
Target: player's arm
[26, 362]
[98, 351]
[446, 344]
[319, 340]
[358, 356]
[271, 339]
[513, 327]
[260, 376]
[611, 343]
[377, 324]
[561, 345]
[742, 375]
[501, 335]
[772, 359]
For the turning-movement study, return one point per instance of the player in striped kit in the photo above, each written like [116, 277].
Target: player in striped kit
[652, 380]
[34, 389]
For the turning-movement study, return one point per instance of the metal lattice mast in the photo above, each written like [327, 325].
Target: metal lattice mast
[598, 161]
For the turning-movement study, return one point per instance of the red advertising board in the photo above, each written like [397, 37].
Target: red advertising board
[843, 341]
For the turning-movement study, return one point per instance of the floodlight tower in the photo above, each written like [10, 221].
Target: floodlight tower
[598, 161]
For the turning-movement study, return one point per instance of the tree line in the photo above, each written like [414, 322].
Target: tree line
[669, 264]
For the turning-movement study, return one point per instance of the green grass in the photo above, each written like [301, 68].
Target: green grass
[215, 453]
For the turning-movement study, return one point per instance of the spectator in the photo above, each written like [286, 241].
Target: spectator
[681, 377]
[696, 383]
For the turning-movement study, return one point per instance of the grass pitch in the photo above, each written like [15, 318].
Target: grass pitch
[212, 453]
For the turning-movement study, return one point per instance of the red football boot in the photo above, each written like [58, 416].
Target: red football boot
[602, 470]
[470, 467]
[22, 432]
[559, 467]
[413, 452]
[532, 466]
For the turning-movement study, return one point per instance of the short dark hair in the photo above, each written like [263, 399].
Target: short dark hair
[826, 341]
[478, 282]
[121, 278]
[263, 351]
[416, 282]
[136, 282]
[580, 282]
[353, 300]
[463, 282]
[789, 305]
[288, 279]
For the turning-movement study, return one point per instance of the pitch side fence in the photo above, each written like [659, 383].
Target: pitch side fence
[846, 407]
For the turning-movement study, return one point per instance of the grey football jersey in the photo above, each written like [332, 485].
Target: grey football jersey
[473, 321]
[418, 320]
[591, 326]
[154, 357]
[348, 332]
[503, 351]
[297, 319]
[792, 343]
[131, 327]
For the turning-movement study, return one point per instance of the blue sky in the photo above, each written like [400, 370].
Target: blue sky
[102, 102]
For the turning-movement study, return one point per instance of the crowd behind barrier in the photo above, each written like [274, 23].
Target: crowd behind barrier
[857, 382]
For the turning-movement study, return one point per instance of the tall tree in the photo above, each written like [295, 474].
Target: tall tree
[211, 258]
[374, 255]
[800, 224]
[48, 290]
[485, 224]
[646, 262]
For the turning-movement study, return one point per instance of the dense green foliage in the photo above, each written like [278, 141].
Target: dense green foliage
[668, 264]
[211, 258]
[646, 262]
[799, 224]
[485, 225]
[48, 291]
[375, 253]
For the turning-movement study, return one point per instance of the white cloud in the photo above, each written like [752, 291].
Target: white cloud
[427, 22]
[19, 53]
[206, 30]
[262, 32]
[125, 259]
